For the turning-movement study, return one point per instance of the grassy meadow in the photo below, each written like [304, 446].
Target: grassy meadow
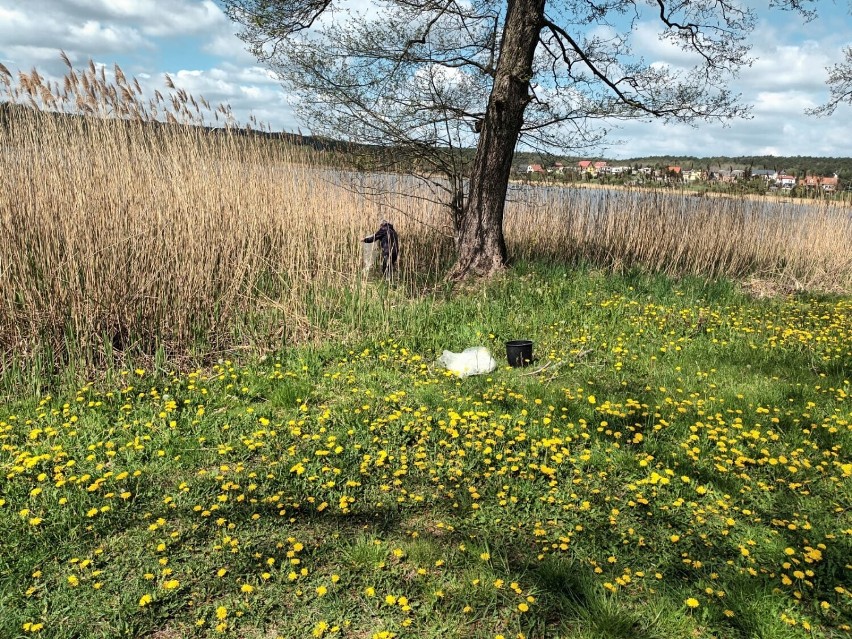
[217, 425]
[674, 464]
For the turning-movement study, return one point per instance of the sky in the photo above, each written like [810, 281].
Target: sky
[195, 43]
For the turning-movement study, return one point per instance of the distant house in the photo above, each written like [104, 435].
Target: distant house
[588, 167]
[693, 175]
[827, 184]
[601, 167]
[785, 181]
[767, 175]
[535, 168]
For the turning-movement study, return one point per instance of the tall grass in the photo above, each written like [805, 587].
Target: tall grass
[122, 235]
[126, 227]
[800, 245]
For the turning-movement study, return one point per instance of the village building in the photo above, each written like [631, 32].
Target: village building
[826, 184]
[767, 175]
[785, 181]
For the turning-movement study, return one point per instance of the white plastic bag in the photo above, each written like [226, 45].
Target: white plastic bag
[368, 257]
[471, 361]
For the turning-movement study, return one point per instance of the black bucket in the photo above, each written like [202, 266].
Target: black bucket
[519, 352]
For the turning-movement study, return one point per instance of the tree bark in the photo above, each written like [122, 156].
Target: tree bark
[481, 245]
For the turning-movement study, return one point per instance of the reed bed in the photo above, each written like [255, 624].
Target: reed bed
[129, 227]
[795, 245]
[124, 235]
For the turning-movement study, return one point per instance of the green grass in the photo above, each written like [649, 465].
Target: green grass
[674, 442]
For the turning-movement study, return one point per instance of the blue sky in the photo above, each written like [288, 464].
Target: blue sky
[194, 43]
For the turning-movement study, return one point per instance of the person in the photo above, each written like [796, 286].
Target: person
[389, 241]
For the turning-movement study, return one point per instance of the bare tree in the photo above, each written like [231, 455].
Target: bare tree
[840, 85]
[429, 78]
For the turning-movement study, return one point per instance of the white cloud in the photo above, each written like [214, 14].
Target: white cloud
[155, 18]
[788, 67]
[96, 28]
[224, 44]
[250, 91]
[32, 36]
[45, 24]
[787, 76]
[658, 51]
[783, 103]
[768, 133]
[102, 37]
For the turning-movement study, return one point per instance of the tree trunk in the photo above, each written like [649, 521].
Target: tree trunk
[481, 246]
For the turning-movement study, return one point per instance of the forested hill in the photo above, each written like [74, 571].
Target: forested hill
[799, 165]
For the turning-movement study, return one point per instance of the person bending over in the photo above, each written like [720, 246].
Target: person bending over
[389, 241]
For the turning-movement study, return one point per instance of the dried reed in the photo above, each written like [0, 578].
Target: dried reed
[801, 244]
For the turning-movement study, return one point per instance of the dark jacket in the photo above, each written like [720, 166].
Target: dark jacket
[389, 241]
